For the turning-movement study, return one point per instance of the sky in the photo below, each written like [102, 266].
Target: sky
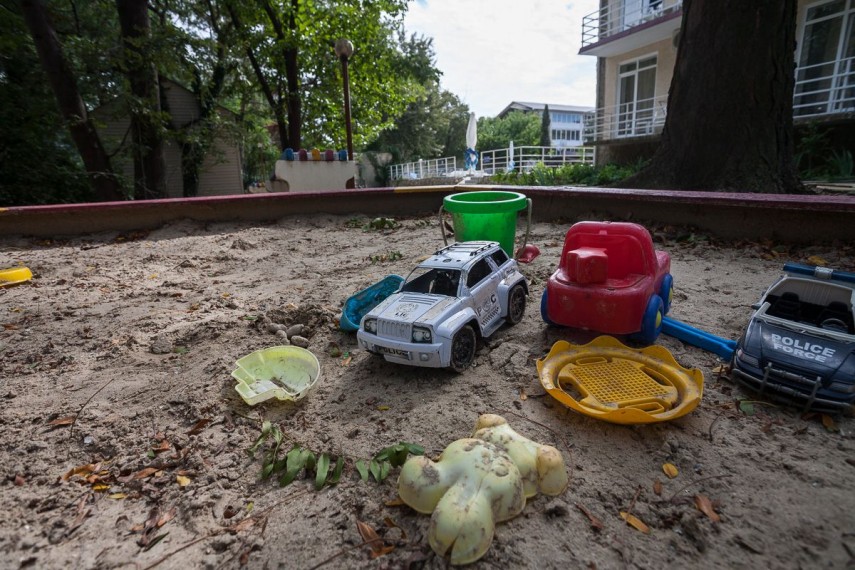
[492, 52]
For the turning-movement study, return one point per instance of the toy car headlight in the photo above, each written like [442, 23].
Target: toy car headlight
[746, 358]
[370, 325]
[421, 334]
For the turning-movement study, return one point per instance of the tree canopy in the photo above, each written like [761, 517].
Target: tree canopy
[497, 132]
[269, 62]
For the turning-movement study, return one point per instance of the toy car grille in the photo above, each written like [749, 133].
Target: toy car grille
[392, 329]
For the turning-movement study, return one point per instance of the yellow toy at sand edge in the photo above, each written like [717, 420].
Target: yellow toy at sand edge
[15, 275]
[609, 381]
[476, 483]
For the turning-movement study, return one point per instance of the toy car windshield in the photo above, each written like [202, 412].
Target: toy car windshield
[433, 281]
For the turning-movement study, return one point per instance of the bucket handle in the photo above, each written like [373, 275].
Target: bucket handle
[527, 227]
[442, 227]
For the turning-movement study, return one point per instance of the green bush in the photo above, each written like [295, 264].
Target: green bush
[567, 175]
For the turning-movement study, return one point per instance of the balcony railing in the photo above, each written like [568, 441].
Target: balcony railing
[825, 88]
[635, 119]
[617, 17]
[423, 169]
[524, 158]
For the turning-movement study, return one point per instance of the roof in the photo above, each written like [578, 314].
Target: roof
[528, 107]
[458, 255]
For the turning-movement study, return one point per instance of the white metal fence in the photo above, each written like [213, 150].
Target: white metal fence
[524, 158]
[423, 169]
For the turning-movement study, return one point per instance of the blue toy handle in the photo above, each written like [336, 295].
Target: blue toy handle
[696, 337]
[819, 272]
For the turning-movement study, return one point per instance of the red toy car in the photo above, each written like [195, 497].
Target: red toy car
[610, 280]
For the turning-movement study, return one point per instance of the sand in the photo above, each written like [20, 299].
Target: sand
[124, 442]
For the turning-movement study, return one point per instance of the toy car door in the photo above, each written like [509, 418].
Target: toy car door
[482, 283]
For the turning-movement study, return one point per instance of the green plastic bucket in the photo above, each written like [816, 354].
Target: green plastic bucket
[486, 216]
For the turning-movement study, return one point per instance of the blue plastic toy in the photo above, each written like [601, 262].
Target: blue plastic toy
[358, 305]
[697, 337]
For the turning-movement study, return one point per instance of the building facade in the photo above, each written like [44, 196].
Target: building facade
[635, 42]
[566, 122]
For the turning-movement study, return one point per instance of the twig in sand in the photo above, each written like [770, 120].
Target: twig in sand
[258, 516]
[557, 435]
[712, 425]
[86, 403]
[674, 496]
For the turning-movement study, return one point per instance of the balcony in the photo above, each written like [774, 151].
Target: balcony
[619, 27]
[641, 118]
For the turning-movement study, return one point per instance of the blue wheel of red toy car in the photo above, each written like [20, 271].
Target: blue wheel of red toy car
[544, 313]
[651, 322]
[666, 292]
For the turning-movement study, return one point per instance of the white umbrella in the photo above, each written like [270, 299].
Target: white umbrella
[471, 158]
[511, 157]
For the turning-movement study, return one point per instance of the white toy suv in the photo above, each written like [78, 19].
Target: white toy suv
[463, 291]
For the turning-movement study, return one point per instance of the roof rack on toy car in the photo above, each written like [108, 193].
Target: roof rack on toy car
[820, 272]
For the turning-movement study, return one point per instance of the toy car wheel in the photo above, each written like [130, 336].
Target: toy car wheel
[516, 304]
[651, 322]
[463, 349]
[544, 311]
[666, 291]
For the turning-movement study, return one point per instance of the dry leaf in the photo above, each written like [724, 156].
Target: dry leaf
[523, 395]
[370, 537]
[382, 408]
[19, 480]
[396, 502]
[199, 426]
[720, 369]
[657, 487]
[166, 517]
[596, 523]
[635, 522]
[66, 421]
[163, 446]
[81, 470]
[182, 480]
[817, 260]
[346, 361]
[705, 506]
[670, 470]
[117, 496]
[100, 487]
[244, 524]
[829, 424]
[392, 524]
[143, 473]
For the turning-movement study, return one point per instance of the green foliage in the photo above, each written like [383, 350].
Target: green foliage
[545, 137]
[841, 164]
[567, 175]
[38, 162]
[205, 47]
[817, 159]
[434, 124]
[497, 133]
[319, 466]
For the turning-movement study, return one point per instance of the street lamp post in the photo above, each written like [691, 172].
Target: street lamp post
[344, 49]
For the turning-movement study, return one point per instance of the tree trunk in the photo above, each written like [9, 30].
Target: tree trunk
[149, 162]
[292, 76]
[64, 86]
[730, 107]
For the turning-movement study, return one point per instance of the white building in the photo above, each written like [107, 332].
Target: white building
[566, 122]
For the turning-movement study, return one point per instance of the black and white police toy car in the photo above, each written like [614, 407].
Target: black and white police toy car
[465, 290]
[799, 346]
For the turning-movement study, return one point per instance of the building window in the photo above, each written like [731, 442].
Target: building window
[636, 90]
[825, 76]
